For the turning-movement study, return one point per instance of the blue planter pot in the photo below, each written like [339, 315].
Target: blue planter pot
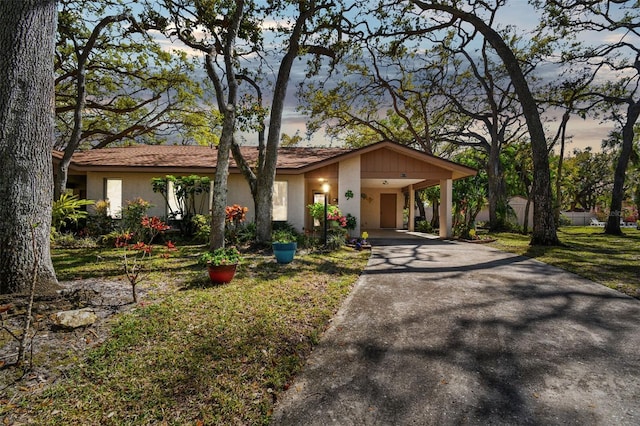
[284, 252]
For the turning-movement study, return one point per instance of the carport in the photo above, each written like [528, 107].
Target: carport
[372, 183]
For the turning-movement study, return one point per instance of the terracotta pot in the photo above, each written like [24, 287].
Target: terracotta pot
[221, 274]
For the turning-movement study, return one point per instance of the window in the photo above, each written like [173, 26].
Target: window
[318, 197]
[113, 197]
[173, 208]
[279, 210]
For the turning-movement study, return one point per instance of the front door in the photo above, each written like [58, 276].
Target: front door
[388, 210]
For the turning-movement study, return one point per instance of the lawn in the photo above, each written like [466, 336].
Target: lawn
[196, 354]
[613, 261]
[193, 353]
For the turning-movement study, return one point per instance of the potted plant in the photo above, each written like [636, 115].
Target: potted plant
[221, 263]
[284, 244]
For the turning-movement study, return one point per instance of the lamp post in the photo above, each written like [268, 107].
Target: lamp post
[325, 190]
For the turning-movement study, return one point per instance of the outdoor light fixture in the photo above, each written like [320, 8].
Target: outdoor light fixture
[325, 190]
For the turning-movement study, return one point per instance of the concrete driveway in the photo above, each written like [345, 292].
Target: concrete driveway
[448, 333]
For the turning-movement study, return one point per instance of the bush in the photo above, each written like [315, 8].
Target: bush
[308, 242]
[67, 240]
[352, 221]
[67, 211]
[132, 215]
[247, 233]
[424, 226]
[99, 223]
[335, 239]
[239, 234]
[202, 227]
[564, 221]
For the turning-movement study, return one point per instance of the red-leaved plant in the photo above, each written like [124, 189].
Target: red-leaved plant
[135, 253]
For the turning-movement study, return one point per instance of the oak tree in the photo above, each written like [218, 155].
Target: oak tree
[27, 42]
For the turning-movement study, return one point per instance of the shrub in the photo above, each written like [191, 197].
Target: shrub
[424, 226]
[307, 241]
[234, 223]
[132, 215]
[564, 221]
[100, 223]
[67, 240]
[317, 210]
[202, 227]
[335, 239]
[67, 211]
[352, 221]
[134, 251]
[247, 233]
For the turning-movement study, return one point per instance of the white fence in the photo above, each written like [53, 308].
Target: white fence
[579, 218]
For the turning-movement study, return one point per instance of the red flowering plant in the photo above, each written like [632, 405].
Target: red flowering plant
[334, 214]
[134, 253]
[236, 214]
[342, 220]
[235, 217]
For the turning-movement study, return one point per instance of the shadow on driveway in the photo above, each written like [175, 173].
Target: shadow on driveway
[441, 332]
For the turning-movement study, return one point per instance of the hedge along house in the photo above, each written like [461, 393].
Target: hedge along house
[370, 183]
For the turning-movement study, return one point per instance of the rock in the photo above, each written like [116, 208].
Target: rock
[74, 319]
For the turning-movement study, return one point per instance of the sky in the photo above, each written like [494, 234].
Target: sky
[582, 132]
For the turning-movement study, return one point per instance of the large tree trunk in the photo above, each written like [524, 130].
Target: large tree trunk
[613, 222]
[544, 230]
[525, 223]
[218, 215]
[228, 109]
[27, 35]
[264, 200]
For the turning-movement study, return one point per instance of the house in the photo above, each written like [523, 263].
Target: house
[371, 183]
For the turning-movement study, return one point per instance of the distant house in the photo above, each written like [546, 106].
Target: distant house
[370, 183]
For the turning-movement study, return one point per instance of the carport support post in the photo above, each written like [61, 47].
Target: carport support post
[412, 209]
[446, 200]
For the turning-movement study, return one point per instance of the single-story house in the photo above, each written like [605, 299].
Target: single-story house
[370, 183]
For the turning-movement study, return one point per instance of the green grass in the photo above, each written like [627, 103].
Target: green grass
[209, 354]
[108, 262]
[223, 354]
[610, 260]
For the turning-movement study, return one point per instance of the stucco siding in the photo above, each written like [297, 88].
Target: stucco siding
[350, 181]
[238, 192]
[370, 207]
[136, 185]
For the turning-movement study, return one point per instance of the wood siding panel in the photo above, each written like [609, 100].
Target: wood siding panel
[326, 172]
[385, 163]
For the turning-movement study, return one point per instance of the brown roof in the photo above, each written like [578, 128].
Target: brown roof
[182, 157]
[202, 159]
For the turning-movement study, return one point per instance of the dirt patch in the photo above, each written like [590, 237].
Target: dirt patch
[51, 350]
